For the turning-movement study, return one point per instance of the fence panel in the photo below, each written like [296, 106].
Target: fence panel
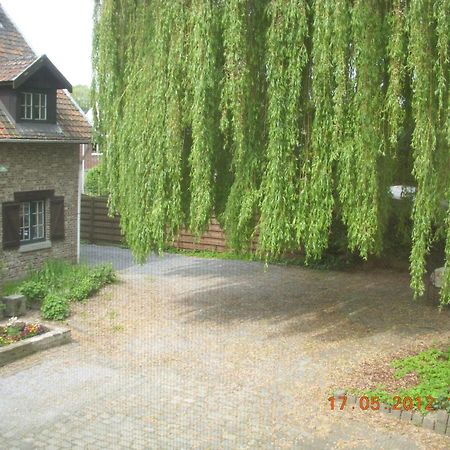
[97, 227]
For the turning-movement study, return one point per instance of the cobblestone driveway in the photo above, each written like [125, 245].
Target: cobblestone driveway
[208, 354]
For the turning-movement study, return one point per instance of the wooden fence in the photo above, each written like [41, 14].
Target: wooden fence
[97, 227]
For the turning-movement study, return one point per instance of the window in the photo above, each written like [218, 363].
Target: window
[32, 221]
[34, 217]
[33, 106]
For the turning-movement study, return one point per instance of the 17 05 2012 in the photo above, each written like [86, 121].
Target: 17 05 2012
[366, 403]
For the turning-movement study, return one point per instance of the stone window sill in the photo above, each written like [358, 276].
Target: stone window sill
[36, 246]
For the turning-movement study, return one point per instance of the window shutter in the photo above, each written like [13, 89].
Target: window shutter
[57, 218]
[11, 225]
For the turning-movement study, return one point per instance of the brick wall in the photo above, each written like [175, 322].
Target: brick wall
[33, 167]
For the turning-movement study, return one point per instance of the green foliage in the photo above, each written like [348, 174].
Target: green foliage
[82, 96]
[10, 287]
[242, 116]
[94, 183]
[277, 116]
[432, 367]
[55, 307]
[34, 289]
[318, 178]
[61, 280]
[287, 58]
[204, 81]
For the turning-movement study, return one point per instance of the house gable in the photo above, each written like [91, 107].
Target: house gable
[34, 96]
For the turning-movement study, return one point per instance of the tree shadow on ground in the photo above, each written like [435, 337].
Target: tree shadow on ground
[330, 306]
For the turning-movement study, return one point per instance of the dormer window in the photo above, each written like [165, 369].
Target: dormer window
[33, 106]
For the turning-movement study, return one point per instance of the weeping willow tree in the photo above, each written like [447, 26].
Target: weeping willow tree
[279, 117]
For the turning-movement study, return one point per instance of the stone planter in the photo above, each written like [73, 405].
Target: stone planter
[52, 338]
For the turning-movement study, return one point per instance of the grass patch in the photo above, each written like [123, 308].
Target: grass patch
[327, 262]
[11, 287]
[58, 283]
[213, 254]
[432, 369]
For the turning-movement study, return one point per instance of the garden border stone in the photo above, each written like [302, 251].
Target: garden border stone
[52, 338]
[437, 421]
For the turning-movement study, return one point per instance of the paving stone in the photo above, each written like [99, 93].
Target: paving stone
[227, 356]
[442, 419]
[407, 416]
[429, 421]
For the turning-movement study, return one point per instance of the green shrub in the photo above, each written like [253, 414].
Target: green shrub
[69, 281]
[82, 290]
[91, 281]
[55, 307]
[104, 274]
[94, 184]
[33, 289]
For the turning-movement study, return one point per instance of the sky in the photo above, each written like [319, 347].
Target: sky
[61, 29]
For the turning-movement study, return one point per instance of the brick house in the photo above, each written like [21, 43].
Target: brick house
[41, 130]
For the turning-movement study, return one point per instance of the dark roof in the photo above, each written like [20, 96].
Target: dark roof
[16, 71]
[17, 63]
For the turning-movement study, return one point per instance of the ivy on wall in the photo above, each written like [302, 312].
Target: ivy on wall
[275, 115]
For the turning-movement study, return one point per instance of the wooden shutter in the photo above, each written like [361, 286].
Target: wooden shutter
[11, 225]
[57, 218]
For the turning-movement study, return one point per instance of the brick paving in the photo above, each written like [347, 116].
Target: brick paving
[206, 354]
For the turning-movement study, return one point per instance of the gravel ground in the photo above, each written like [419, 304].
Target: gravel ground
[199, 353]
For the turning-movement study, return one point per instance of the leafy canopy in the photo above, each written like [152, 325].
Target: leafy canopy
[282, 116]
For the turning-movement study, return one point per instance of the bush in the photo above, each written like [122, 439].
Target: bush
[81, 290]
[68, 281]
[33, 289]
[104, 274]
[55, 307]
[94, 184]
[91, 281]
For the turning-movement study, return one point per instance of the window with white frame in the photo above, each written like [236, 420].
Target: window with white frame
[33, 106]
[32, 221]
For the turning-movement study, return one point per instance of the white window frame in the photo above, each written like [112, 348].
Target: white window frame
[26, 106]
[32, 221]
[33, 106]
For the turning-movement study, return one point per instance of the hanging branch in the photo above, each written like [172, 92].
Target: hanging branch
[316, 198]
[441, 14]
[421, 60]
[360, 192]
[286, 59]
[204, 78]
[395, 109]
[243, 37]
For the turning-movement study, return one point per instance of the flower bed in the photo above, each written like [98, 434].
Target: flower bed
[15, 331]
